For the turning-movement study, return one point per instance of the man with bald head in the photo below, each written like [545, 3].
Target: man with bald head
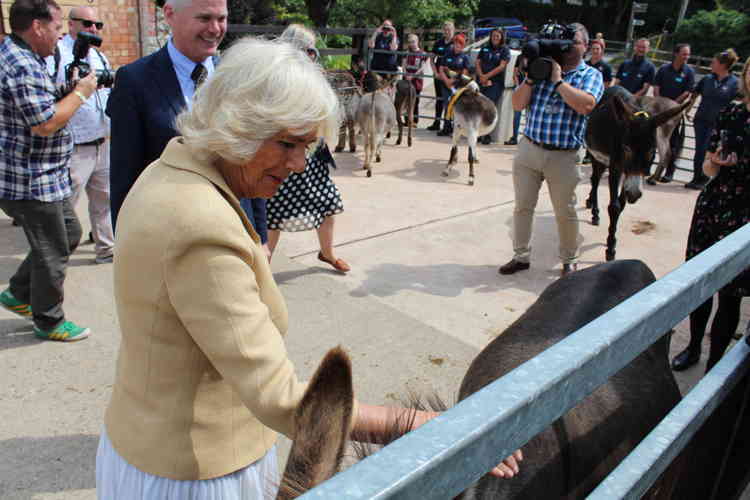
[89, 165]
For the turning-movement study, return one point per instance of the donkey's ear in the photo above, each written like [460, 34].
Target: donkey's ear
[667, 115]
[323, 423]
[622, 110]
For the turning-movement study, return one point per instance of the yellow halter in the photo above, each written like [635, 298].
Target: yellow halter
[454, 98]
[643, 114]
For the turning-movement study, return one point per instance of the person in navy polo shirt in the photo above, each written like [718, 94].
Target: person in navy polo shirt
[675, 81]
[491, 63]
[556, 117]
[440, 48]
[637, 74]
[597, 61]
[384, 38]
[456, 61]
[717, 90]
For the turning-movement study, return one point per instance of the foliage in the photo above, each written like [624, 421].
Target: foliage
[403, 13]
[738, 5]
[712, 32]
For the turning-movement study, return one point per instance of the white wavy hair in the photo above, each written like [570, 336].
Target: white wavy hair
[259, 88]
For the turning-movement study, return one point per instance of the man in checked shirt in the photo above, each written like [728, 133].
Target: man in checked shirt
[557, 110]
[35, 149]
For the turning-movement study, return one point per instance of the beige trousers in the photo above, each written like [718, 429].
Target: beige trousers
[531, 166]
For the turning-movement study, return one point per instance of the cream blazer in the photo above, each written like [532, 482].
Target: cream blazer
[203, 381]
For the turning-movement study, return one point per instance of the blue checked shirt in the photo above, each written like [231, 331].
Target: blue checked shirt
[550, 121]
[32, 167]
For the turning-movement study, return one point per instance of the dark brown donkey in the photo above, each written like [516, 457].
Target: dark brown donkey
[406, 97]
[576, 452]
[621, 137]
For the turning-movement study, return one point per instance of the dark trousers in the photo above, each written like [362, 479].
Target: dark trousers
[725, 322]
[440, 104]
[675, 145]
[53, 232]
[703, 131]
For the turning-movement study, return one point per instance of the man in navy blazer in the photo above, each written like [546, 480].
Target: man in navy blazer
[149, 94]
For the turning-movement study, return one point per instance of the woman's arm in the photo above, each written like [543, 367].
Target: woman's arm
[372, 424]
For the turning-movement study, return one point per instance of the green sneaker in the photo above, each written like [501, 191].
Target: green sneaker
[67, 331]
[12, 304]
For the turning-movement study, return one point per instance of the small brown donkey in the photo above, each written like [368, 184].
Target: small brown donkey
[406, 97]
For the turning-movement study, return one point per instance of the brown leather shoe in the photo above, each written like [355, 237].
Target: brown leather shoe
[568, 268]
[513, 267]
[338, 264]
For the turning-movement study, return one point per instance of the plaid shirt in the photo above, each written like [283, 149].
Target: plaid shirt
[550, 120]
[32, 167]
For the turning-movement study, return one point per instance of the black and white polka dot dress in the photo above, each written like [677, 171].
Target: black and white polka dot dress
[305, 200]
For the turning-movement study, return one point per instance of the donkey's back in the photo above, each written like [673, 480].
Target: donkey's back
[574, 454]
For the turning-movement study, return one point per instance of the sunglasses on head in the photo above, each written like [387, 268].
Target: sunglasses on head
[87, 24]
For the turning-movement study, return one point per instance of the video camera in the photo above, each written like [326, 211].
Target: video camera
[84, 40]
[553, 42]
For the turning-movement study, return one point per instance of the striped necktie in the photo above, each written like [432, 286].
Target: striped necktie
[199, 74]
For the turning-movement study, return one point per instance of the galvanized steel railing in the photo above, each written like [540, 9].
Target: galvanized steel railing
[447, 454]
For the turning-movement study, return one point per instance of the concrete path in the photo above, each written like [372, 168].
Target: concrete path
[423, 297]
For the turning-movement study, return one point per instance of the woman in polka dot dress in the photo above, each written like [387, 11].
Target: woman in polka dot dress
[309, 200]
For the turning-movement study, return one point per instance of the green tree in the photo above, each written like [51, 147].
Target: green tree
[711, 32]
[738, 5]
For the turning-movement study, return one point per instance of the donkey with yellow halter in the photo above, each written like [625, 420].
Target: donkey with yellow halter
[621, 137]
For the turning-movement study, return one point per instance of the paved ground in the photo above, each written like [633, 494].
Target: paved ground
[423, 298]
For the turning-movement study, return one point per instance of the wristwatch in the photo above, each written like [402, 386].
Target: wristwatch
[529, 82]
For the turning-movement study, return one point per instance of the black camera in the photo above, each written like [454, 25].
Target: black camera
[84, 40]
[552, 43]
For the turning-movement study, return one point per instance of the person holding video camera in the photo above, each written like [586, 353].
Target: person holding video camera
[35, 149]
[89, 165]
[559, 91]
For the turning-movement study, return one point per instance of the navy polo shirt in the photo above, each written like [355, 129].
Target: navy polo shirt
[456, 62]
[634, 72]
[380, 60]
[490, 58]
[604, 68]
[672, 83]
[715, 95]
[441, 47]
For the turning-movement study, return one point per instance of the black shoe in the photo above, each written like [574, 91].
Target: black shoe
[513, 267]
[685, 360]
[665, 179]
[511, 142]
[435, 126]
[694, 185]
[568, 268]
[16, 223]
[445, 132]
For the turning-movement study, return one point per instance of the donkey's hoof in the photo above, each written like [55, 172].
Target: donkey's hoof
[338, 149]
[369, 173]
[588, 203]
[377, 159]
[471, 181]
[445, 172]
[409, 142]
[609, 255]
[398, 142]
[353, 149]
[595, 221]
[651, 181]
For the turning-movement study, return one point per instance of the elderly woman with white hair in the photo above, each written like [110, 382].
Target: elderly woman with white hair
[203, 380]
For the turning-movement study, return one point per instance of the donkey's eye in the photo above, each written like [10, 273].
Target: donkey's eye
[287, 145]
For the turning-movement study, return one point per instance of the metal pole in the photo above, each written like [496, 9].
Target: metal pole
[629, 39]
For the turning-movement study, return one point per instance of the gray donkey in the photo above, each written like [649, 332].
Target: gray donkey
[474, 115]
[375, 117]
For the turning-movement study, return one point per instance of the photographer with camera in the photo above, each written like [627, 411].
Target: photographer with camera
[89, 165]
[560, 89]
[384, 38]
[35, 148]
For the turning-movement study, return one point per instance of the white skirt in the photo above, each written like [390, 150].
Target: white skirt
[118, 480]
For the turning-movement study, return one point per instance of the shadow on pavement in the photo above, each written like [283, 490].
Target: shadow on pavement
[14, 333]
[30, 466]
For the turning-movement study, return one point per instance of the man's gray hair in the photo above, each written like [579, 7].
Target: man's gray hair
[584, 32]
[178, 4]
[260, 88]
